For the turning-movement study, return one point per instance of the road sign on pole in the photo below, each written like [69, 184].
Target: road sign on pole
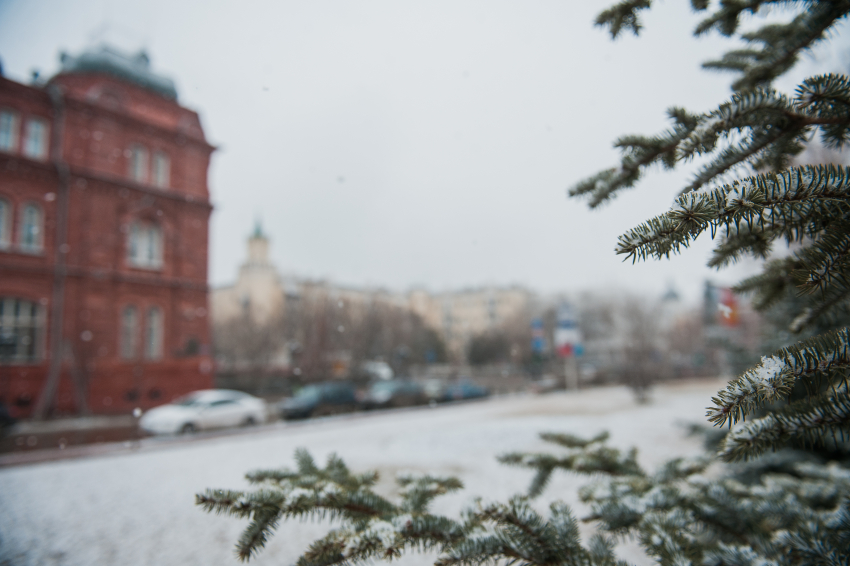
[568, 343]
[538, 336]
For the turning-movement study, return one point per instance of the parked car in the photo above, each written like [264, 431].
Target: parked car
[394, 393]
[377, 369]
[464, 390]
[318, 400]
[435, 390]
[6, 419]
[203, 410]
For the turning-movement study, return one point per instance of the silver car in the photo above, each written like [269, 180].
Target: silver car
[203, 410]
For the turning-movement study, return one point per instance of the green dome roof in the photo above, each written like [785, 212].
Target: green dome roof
[135, 69]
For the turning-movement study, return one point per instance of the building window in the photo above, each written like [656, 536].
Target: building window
[35, 139]
[129, 332]
[138, 164]
[20, 331]
[153, 334]
[31, 231]
[145, 247]
[161, 170]
[5, 224]
[8, 131]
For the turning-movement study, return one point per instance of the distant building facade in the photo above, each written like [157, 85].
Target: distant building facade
[261, 294]
[461, 315]
[104, 211]
[258, 292]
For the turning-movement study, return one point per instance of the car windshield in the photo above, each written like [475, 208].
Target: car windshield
[309, 393]
[190, 400]
[197, 399]
[385, 387]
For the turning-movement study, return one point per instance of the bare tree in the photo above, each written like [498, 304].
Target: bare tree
[247, 349]
[644, 350]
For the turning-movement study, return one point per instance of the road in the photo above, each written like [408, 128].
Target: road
[134, 504]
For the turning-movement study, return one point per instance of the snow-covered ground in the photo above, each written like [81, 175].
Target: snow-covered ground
[138, 507]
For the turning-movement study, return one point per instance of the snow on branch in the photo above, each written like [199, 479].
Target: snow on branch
[373, 528]
[808, 422]
[774, 377]
[582, 456]
[785, 203]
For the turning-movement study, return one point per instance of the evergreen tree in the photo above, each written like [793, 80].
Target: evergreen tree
[800, 515]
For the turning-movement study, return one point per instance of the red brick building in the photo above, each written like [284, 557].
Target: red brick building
[104, 211]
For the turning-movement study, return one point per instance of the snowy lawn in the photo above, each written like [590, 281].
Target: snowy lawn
[138, 508]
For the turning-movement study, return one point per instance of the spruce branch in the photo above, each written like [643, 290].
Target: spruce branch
[372, 528]
[808, 421]
[771, 285]
[419, 491]
[741, 241]
[623, 16]
[583, 456]
[780, 45]
[676, 513]
[727, 18]
[514, 532]
[828, 96]
[571, 440]
[773, 378]
[825, 263]
[254, 538]
[639, 152]
[772, 128]
[236, 503]
[793, 204]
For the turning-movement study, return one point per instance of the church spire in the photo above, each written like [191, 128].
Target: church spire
[258, 246]
[258, 230]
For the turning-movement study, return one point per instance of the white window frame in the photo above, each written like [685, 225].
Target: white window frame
[129, 338]
[36, 136]
[161, 170]
[138, 163]
[9, 130]
[5, 224]
[144, 245]
[154, 333]
[31, 235]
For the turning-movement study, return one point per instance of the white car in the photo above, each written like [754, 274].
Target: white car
[202, 410]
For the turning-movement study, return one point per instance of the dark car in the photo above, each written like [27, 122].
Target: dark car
[464, 390]
[6, 420]
[319, 400]
[394, 393]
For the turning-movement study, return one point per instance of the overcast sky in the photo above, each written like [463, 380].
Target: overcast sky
[415, 143]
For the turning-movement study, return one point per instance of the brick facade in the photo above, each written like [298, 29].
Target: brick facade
[97, 201]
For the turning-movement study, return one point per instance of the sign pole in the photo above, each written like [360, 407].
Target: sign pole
[568, 344]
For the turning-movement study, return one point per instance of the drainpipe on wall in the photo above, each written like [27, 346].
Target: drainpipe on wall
[57, 306]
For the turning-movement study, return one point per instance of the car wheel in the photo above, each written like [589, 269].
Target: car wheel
[250, 421]
[188, 428]
[322, 411]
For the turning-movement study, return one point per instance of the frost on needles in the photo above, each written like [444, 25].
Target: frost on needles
[685, 513]
[678, 515]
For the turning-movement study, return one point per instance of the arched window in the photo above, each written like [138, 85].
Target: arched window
[21, 324]
[8, 130]
[138, 164]
[161, 171]
[35, 138]
[129, 332]
[31, 231]
[145, 246]
[153, 334]
[5, 224]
